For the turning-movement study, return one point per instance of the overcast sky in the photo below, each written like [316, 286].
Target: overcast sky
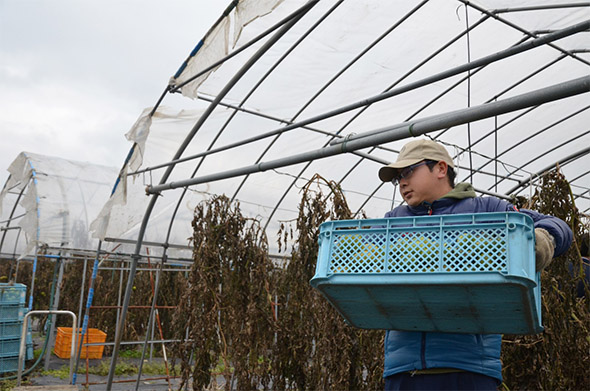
[76, 74]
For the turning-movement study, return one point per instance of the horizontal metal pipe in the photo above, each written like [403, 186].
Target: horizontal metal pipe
[522, 47]
[487, 192]
[111, 307]
[540, 7]
[170, 261]
[401, 131]
[9, 228]
[11, 219]
[569, 158]
[557, 88]
[185, 268]
[136, 342]
[146, 379]
[148, 243]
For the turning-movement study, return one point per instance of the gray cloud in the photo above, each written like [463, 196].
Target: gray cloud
[74, 76]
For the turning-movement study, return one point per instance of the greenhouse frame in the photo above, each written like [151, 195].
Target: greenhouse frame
[281, 91]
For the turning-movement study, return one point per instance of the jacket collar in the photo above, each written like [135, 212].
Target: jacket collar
[427, 208]
[460, 191]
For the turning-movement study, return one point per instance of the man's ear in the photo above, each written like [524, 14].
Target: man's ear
[441, 169]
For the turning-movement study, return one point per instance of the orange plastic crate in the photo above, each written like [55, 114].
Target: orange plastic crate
[63, 343]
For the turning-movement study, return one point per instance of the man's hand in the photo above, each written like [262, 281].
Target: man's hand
[544, 248]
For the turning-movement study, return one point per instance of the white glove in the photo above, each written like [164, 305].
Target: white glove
[544, 248]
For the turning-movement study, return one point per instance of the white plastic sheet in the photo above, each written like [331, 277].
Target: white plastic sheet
[341, 53]
[49, 201]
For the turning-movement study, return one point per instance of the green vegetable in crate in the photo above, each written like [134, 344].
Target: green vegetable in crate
[417, 253]
[370, 258]
[477, 252]
[356, 254]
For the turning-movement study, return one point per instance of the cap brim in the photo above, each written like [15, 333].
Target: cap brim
[387, 173]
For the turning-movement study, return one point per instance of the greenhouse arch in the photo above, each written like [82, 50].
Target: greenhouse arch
[280, 91]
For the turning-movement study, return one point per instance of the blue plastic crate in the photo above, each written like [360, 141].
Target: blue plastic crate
[467, 273]
[9, 364]
[11, 346]
[12, 293]
[12, 329]
[12, 312]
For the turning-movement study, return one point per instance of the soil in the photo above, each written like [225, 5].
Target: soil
[37, 381]
[95, 382]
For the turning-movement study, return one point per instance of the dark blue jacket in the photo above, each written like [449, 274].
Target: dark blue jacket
[480, 353]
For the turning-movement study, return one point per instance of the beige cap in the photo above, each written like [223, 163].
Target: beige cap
[414, 152]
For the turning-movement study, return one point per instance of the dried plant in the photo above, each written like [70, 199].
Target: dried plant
[317, 350]
[225, 311]
[558, 358]
[261, 325]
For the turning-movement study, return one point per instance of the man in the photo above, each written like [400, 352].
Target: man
[425, 174]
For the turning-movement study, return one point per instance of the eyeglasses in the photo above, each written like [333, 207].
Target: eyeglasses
[406, 172]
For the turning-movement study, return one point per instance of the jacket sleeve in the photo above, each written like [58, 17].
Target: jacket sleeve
[560, 231]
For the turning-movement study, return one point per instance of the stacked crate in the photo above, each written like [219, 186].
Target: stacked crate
[12, 312]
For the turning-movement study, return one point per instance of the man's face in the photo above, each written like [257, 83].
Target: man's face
[421, 184]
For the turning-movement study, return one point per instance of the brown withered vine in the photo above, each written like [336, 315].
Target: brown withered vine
[225, 310]
[317, 350]
[260, 325]
[558, 358]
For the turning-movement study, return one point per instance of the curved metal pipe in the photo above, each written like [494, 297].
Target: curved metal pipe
[209, 149]
[280, 23]
[166, 175]
[4, 231]
[403, 130]
[413, 115]
[525, 46]
[543, 154]
[527, 139]
[280, 60]
[519, 48]
[333, 79]
[564, 161]
[22, 350]
[494, 14]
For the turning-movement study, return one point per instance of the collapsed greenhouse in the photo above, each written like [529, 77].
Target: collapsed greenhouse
[286, 100]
